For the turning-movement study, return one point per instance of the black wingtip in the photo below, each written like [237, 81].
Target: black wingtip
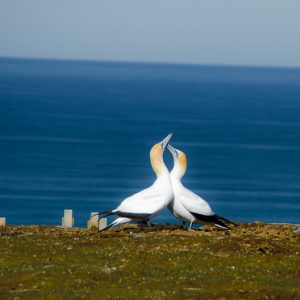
[213, 219]
[219, 223]
[225, 220]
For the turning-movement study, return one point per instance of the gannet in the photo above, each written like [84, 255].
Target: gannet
[186, 205]
[147, 203]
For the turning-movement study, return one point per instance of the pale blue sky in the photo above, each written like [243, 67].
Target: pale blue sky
[244, 32]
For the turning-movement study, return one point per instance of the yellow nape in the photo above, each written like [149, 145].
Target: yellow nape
[156, 157]
[182, 160]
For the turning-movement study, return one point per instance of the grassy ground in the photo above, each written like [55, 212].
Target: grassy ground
[255, 261]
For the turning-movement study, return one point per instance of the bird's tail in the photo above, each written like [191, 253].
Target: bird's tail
[117, 222]
[221, 222]
[213, 219]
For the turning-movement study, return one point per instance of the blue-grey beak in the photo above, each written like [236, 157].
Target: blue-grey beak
[173, 150]
[166, 140]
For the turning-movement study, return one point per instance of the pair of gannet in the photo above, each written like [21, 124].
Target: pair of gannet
[166, 191]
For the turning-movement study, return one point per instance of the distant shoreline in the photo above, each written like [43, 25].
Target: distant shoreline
[143, 63]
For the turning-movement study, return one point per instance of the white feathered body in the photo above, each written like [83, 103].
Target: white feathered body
[145, 204]
[185, 202]
[149, 201]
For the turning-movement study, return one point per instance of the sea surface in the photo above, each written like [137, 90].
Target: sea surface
[76, 135]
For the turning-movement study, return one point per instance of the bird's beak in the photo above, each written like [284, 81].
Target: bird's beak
[166, 141]
[172, 150]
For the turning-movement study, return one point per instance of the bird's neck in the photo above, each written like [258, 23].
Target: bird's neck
[177, 172]
[161, 170]
[163, 178]
[158, 164]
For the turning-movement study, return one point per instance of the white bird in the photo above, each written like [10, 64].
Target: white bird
[186, 205]
[147, 203]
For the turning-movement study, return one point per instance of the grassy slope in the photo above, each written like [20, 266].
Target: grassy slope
[252, 261]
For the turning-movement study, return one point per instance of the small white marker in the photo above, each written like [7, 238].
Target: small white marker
[93, 221]
[102, 223]
[68, 220]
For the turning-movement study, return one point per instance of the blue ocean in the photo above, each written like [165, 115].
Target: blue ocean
[77, 134]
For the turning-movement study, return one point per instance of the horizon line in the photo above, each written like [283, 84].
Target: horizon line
[148, 62]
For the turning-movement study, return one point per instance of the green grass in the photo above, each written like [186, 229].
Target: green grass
[254, 261]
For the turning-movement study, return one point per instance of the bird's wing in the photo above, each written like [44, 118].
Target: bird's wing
[195, 204]
[142, 204]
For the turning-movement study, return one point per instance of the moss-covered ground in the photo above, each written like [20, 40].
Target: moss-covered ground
[252, 261]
